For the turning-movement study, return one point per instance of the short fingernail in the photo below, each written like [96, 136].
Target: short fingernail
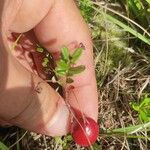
[59, 124]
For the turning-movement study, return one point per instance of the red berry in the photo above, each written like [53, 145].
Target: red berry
[85, 131]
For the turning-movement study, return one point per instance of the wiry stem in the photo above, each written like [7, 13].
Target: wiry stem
[65, 96]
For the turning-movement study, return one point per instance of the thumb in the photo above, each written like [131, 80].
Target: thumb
[25, 99]
[30, 103]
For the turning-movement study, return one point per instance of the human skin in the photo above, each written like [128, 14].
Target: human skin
[54, 23]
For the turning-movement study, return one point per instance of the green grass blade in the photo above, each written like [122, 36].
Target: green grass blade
[133, 7]
[3, 147]
[126, 135]
[132, 129]
[123, 25]
[128, 29]
[148, 1]
[16, 42]
[138, 12]
[18, 144]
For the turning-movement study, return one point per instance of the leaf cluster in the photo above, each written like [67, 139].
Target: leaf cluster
[64, 141]
[46, 59]
[143, 109]
[65, 66]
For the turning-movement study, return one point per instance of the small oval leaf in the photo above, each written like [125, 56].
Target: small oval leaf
[45, 62]
[40, 49]
[60, 73]
[76, 55]
[65, 53]
[76, 70]
[69, 80]
[62, 65]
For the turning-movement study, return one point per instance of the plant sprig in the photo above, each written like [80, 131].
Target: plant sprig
[143, 109]
[66, 65]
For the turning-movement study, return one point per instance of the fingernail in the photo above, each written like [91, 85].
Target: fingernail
[59, 124]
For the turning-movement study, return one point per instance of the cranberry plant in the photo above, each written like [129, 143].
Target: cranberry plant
[66, 65]
[143, 109]
[84, 129]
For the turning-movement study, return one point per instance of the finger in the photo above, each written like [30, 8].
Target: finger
[62, 26]
[27, 13]
[28, 102]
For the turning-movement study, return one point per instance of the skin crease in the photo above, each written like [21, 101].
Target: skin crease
[57, 23]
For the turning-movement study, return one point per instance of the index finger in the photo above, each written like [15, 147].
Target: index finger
[62, 26]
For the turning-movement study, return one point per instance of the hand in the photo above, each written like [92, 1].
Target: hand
[54, 23]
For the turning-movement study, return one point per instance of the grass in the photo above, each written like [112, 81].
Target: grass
[121, 36]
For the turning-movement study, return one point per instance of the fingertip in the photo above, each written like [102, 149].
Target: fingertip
[84, 98]
[57, 125]
[60, 123]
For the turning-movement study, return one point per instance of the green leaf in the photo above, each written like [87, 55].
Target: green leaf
[62, 65]
[146, 101]
[135, 106]
[148, 1]
[3, 147]
[40, 49]
[16, 42]
[60, 70]
[76, 55]
[143, 109]
[65, 53]
[69, 138]
[76, 70]
[60, 73]
[143, 116]
[129, 29]
[69, 80]
[45, 62]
